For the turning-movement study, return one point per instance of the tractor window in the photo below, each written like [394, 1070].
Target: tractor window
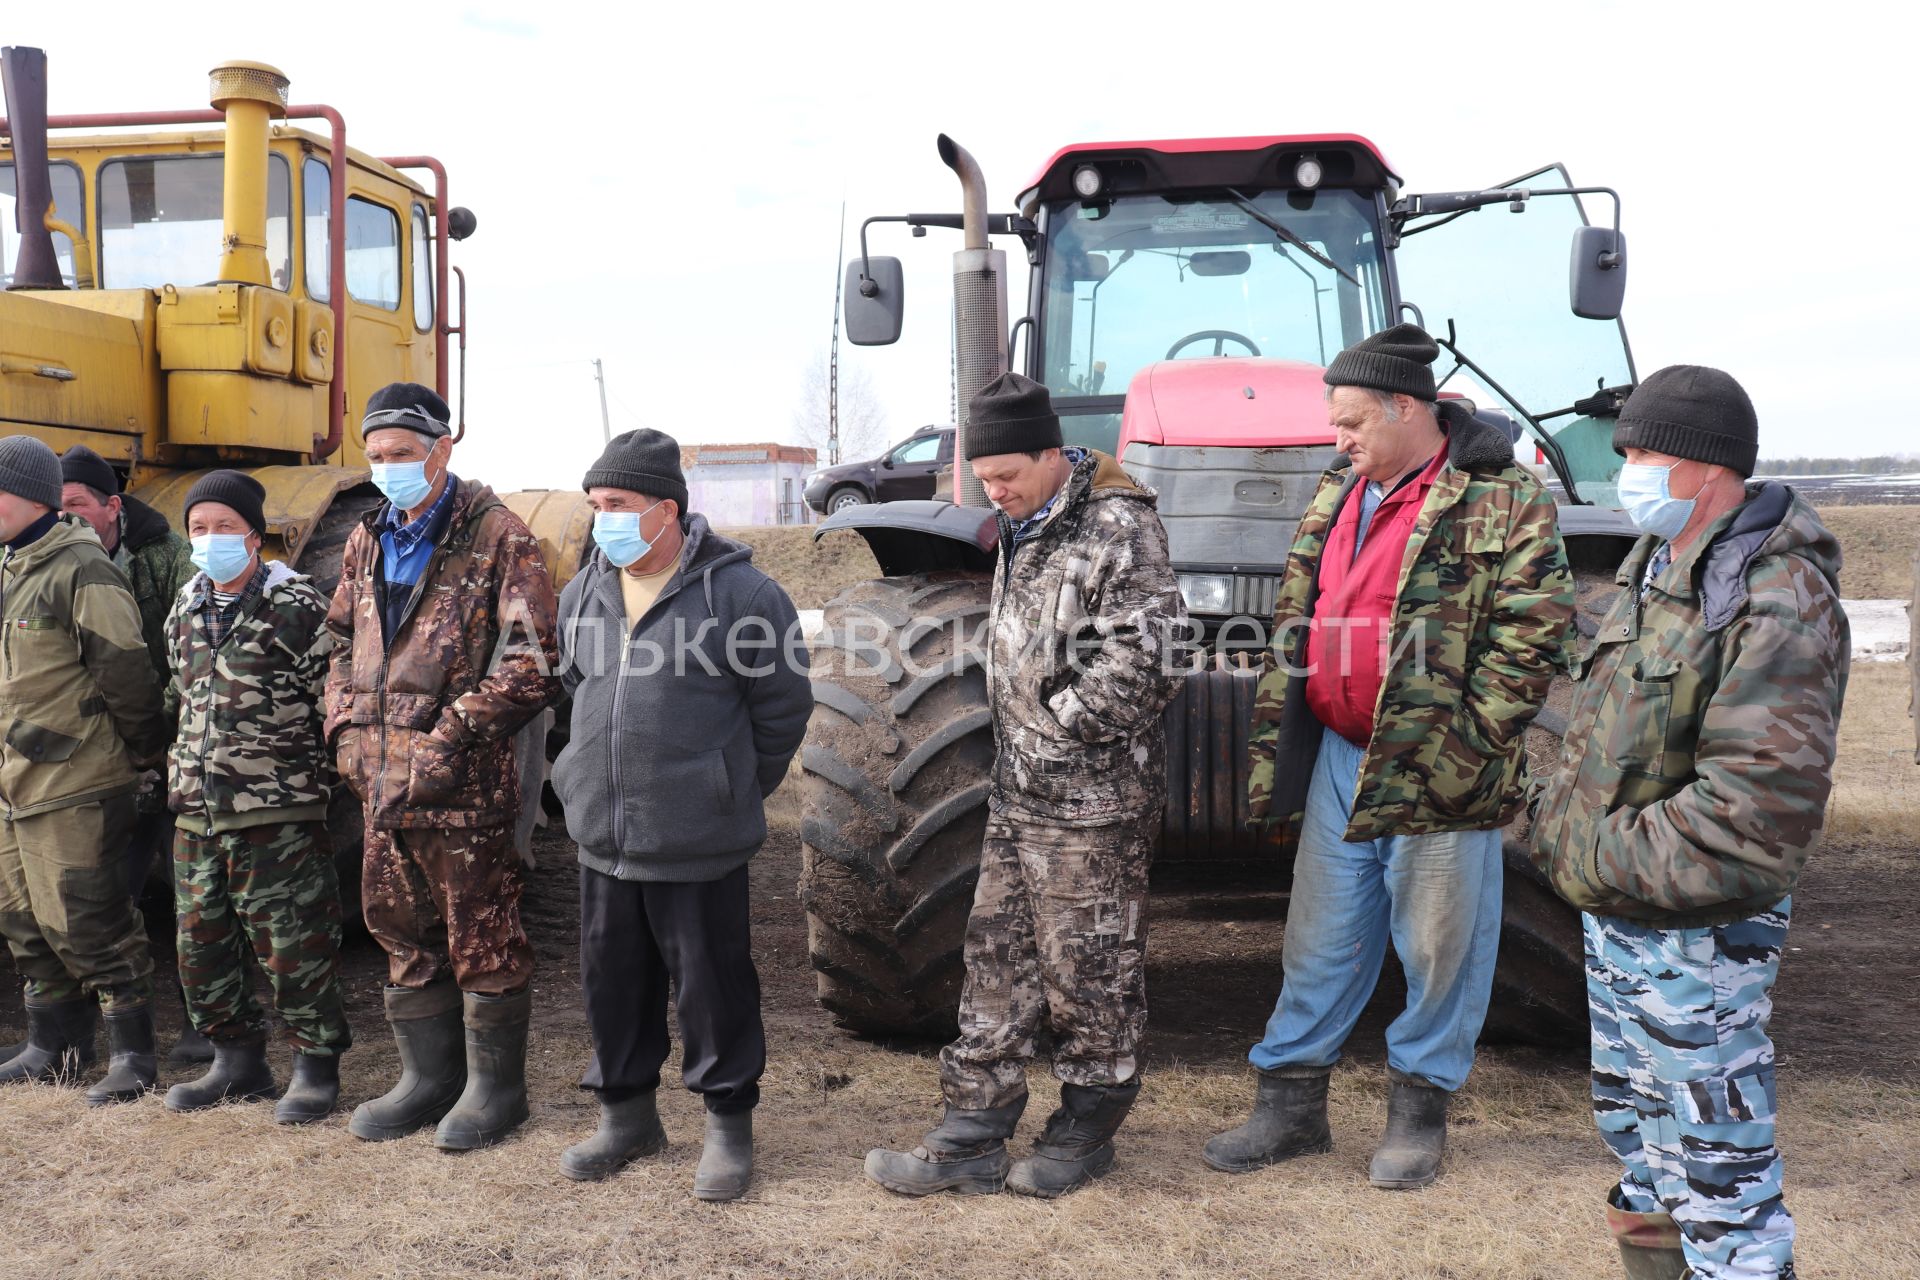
[1145, 278]
[422, 271]
[316, 189]
[66, 205]
[160, 221]
[373, 254]
[1501, 279]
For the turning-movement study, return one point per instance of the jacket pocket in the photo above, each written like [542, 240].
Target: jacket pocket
[434, 772]
[1636, 741]
[41, 745]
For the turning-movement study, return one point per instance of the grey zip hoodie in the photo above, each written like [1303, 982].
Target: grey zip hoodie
[683, 726]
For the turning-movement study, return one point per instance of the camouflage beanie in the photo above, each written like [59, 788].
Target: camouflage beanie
[1691, 411]
[1398, 361]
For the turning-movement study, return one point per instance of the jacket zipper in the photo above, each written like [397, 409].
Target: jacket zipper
[620, 697]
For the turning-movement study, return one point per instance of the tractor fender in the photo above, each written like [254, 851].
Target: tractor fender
[921, 536]
[563, 522]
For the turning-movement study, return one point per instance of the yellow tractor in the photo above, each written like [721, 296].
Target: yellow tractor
[219, 287]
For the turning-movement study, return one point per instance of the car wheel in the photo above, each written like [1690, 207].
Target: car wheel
[841, 499]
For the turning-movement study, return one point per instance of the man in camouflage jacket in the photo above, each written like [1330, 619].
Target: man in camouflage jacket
[248, 782]
[443, 648]
[79, 718]
[1699, 755]
[1418, 627]
[1086, 630]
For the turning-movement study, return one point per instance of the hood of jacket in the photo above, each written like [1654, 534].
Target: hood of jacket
[1472, 444]
[194, 594]
[140, 524]
[1773, 522]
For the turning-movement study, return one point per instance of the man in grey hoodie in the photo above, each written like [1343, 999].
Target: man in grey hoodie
[690, 697]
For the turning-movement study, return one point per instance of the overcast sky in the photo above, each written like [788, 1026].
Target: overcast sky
[660, 186]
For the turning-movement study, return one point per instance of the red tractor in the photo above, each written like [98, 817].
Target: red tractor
[1183, 300]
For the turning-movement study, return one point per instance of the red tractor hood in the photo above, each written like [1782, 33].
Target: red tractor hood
[1251, 402]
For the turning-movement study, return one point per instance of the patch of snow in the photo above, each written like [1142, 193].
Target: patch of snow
[1880, 630]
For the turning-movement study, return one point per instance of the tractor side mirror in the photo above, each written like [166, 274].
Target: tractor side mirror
[1598, 279]
[875, 302]
[461, 223]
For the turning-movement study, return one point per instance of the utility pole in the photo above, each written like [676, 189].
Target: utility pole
[833, 351]
[606, 426]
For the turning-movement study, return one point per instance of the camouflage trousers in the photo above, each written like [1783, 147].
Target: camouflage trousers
[1057, 942]
[270, 889]
[1683, 1083]
[64, 908]
[437, 900]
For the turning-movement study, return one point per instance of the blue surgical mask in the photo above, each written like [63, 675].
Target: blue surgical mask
[618, 534]
[221, 556]
[1649, 503]
[404, 484]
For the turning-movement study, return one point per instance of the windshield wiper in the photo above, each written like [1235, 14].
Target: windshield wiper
[1247, 207]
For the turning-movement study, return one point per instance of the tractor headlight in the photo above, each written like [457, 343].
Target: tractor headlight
[1086, 181]
[1206, 592]
[1307, 173]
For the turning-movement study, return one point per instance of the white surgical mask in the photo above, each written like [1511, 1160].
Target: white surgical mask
[1649, 502]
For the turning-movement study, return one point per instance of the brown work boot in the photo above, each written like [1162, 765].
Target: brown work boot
[966, 1153]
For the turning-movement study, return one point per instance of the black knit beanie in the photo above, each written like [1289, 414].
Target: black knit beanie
[1397, 360]
[409, 405]
[236, 489]
[81, 465]
[1011, 414]
[643, 460]
[1691, 411]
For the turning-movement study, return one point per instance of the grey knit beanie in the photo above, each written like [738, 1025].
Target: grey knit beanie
[644, 461]
[1398, 361]
[1691, 411]
[29, 469]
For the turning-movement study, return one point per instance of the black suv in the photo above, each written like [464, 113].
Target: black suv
[908, 470]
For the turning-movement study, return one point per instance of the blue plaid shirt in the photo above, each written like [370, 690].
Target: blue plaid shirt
[408, 547]
[1025, 529]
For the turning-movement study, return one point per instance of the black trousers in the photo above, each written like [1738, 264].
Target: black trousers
[635, 938]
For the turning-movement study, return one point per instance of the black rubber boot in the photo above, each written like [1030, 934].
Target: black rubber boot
[966, 1153]
[433, 1069]
[726, 1159]
[193, 1047]
[132, 1066]
[1077, 1145]
[313, 1092]
[1408, 1156]
[59, 1043]
[239, 1074]
[495, 1101]
[629, 1129]
[1289, 1119]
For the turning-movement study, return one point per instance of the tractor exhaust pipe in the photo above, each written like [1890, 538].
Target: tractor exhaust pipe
[979, 313]
[252, 94]
[25, 73]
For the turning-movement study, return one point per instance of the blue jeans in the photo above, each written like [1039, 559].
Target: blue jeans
[1437, 897]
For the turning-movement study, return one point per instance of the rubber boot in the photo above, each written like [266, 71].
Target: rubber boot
[726, 1160]
[1077, 1145]
[59, 1043]
[629, 1129]
[132, 1065]
[1649, 1242]
[426, 1030]
[1409, 1154]
[495, 1102]
[1289, 1119]
[313, 1092]
[239, 1074]
[193, 1047]
[966, 1153]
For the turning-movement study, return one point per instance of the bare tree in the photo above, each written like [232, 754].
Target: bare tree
[863, 423]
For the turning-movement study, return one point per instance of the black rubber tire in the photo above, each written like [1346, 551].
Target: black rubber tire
[1539, 981]
[893, 797]
[850, 495]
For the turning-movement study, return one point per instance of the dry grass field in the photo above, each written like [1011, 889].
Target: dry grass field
[137, 1191]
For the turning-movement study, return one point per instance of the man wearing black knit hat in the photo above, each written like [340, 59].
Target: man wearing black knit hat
[248, 781]
[1699, 759]
[690, 697]
[1086, 629]
[1417, 629]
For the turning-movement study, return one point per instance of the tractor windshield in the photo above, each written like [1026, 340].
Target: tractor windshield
[1144, 278]
[160, 220]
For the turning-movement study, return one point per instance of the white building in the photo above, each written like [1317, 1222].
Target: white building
[746, 484]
